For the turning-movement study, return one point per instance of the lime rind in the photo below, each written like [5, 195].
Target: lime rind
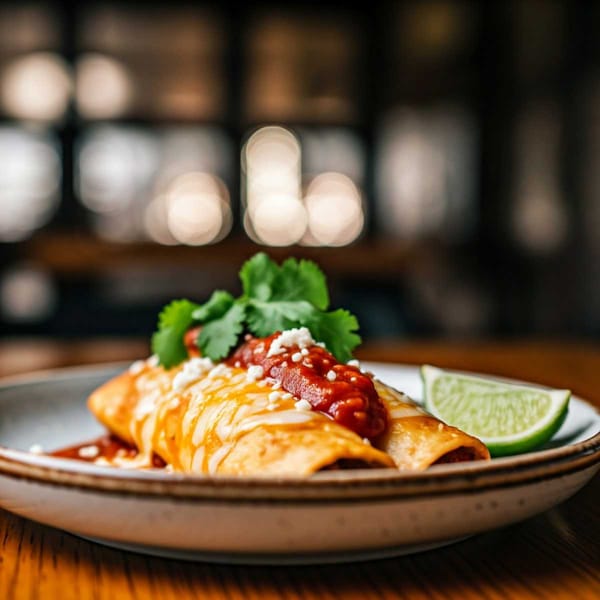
[539, 414]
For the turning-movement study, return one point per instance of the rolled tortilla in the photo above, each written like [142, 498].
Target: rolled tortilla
[204, 419]
[415, 440]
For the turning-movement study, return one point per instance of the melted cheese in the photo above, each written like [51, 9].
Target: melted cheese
[211, 419]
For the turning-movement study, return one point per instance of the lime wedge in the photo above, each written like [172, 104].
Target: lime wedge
[507, 418]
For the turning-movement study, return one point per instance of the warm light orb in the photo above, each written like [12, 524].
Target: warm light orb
[269, 147]
[280, 220]
[102, 87]
[335, 212]
[198, 209]
[274, 212]
[36, 87]
[159, 185]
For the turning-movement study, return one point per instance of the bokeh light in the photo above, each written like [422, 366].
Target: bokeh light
[539, 217]
[426, 173]
[36, 87]
[114, 163]
[272, 146]
[271, 170]
[198, 209]
[29, 182]
[161, 185]
[103, 87]
[279, 220]
[27, 294]
[335, 211]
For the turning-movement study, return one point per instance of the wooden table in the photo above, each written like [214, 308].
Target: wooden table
[555, 555]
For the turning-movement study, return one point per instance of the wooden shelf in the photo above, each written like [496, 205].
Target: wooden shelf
[76, 254]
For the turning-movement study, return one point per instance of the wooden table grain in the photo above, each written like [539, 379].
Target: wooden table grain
[553, 555]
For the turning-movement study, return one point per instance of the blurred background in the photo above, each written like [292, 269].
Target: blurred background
[440, 159]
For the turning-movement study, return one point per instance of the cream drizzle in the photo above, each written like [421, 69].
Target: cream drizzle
[218, 456]
[284, 417]
[403, 412]
[198, 460]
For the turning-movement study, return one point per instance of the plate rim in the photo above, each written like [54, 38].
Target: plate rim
[344, 486]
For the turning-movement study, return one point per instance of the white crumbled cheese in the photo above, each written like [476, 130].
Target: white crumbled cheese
[88, 451]
[366, 441]
[320, 344]
[304, 351]
[300, 337]
[274, 383]
[296, 357]
[192, 370]
[331, 375]
[237, 364]
[274, 396]
[352, 379]
[154, 361]
[353, 363]
[302, 405]
[219, 371]
[137, 367]
[286, 396]
[307, 363]
[36, 449]
[272, 407]
[255, 372]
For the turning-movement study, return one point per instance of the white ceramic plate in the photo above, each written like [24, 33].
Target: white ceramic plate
[332, 516]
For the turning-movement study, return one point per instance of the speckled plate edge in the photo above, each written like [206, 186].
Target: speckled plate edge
[344, 486]
[279, 559]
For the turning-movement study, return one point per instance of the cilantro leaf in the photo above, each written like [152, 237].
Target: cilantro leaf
[174, 320]
[301, 280]
[258, 275]
[215, 307]
[336, 329]
[265, 318]
[274, 298]
[219, 336]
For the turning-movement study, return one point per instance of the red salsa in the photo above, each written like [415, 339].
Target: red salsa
[190, 341]
[313, 374]
[107, 447]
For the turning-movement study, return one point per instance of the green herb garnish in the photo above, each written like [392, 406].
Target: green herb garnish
[275, 297]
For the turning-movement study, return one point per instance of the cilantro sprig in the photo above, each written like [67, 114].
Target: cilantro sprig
[275, 297]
